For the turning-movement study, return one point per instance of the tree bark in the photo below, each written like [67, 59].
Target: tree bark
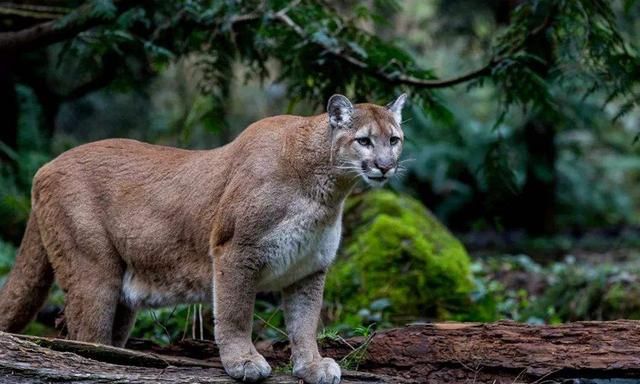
[27, 359]
[500, 353]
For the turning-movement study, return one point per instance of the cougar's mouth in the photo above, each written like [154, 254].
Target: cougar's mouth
[376, 181]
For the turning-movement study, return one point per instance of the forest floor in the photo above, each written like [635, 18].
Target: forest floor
[563, 281]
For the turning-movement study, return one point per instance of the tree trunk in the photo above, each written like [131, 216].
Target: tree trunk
[9, 103]
[538, 198]
[500, 353]
[536, 205]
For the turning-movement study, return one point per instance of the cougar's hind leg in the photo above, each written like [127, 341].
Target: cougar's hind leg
[92, 297]
[86, 264]
[123, 322]
[90, 273]
[91, 279]
[28, 284]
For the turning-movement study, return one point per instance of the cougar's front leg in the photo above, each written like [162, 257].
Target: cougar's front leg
[234, 286]
[302, 304]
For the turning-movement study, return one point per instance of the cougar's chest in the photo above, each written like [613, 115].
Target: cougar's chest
[299, 246]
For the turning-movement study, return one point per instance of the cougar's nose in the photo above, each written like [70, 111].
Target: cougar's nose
[383, 166]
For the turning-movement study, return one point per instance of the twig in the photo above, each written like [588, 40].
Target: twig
[515, 381]
[186, 323]
[346, 342]
[200, 319]
[539, 381]
[273, 314]
[271, 326]
[193, 324]
[155, 320]
[357, 354]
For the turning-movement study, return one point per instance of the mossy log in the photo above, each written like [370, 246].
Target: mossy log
[503, 352]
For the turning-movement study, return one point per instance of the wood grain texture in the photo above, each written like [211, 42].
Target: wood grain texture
[508, 352]
[31, 360]
[501, 353]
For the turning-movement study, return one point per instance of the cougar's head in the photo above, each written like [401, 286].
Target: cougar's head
[367, 138]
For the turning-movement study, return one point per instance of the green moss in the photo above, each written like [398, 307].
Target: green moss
[397, 255]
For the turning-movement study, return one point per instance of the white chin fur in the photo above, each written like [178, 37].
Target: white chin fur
[375, 183]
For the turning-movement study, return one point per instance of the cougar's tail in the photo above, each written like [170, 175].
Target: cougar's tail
[27, 286]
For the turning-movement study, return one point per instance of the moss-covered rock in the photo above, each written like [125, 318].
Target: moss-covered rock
[396, 258]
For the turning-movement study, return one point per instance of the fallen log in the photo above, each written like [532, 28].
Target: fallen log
[503, 352]
[508, 353]
[28, 359]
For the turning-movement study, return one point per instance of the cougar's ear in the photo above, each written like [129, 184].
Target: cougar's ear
[396, 107]
[340, 111]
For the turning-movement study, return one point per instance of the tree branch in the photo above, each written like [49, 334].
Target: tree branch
[33, 11]
[38, 35]
[52, 31]
[379, 73]
[398, 79]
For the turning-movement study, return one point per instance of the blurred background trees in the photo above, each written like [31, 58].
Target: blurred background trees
[520, 133]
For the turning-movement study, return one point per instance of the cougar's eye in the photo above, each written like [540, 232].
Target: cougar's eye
[394, 140]
[364, 141]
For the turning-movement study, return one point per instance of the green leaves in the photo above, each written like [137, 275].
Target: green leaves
[317, 50]
[92, 9]
[102, 9]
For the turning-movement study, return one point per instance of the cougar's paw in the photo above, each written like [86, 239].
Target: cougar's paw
[322, 371]
[248, 368]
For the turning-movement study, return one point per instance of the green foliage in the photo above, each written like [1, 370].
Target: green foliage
[320, 49]
[15, 178]
[471, 174]
[453, 166]
[593, 192]
[596, 55]
[562, 291]
[584, 51]
[507, 282]
[268, 323]
[7, 256]
[606, 292]
[567, 59]
[399, 261]
[551, 50]
[92, 9]
[169, 325]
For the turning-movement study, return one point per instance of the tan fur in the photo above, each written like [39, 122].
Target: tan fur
[125, 225]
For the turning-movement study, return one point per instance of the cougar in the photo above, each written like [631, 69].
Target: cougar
[123, 225]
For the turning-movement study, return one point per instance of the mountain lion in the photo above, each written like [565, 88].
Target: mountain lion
[123, 225]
